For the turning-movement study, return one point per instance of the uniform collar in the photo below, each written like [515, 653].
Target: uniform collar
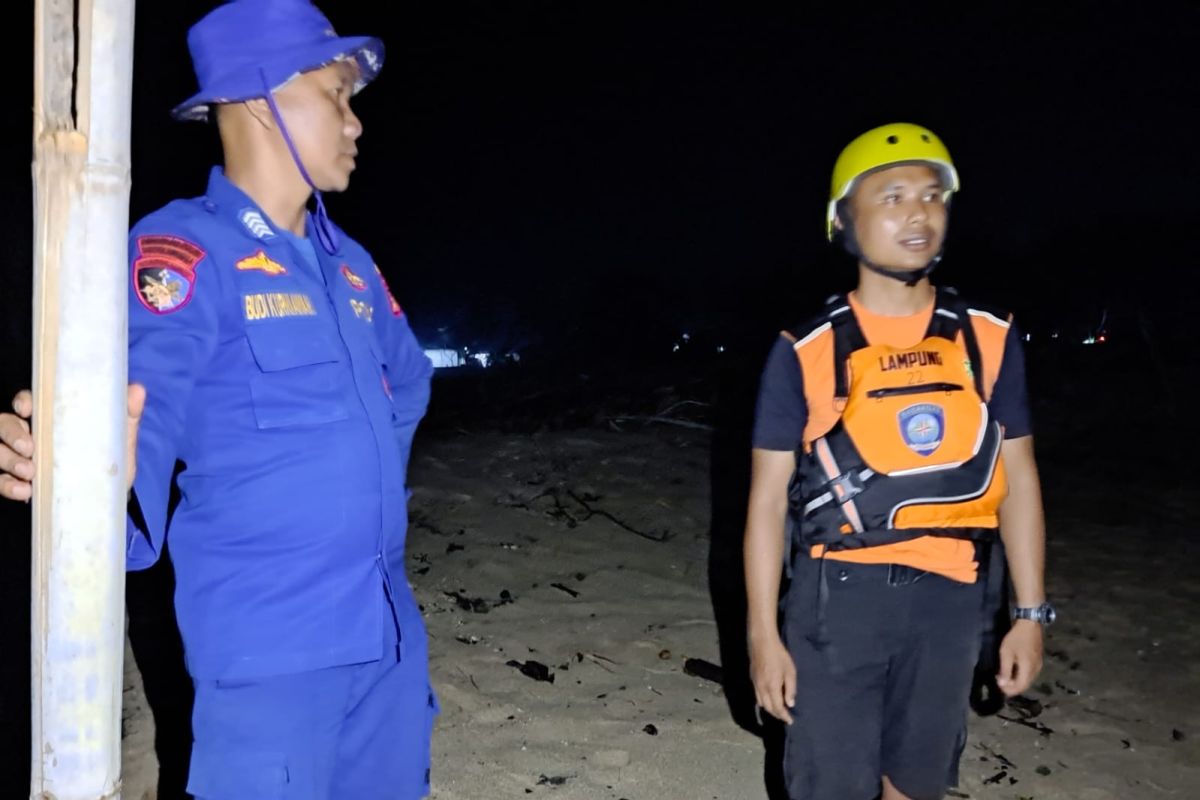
[224, 196]
[223, 193]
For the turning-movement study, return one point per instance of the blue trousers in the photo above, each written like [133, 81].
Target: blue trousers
[360, 731]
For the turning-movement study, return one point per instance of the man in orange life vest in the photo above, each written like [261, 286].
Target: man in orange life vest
[892, 441]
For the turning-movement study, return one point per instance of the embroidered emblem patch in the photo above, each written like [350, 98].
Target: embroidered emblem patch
[922, 427]
[255, 223]
[164, 272]
[356, 283]
[261, 262]
[397, 311]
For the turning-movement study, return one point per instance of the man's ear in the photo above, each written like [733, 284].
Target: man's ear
[841, 214]
[260, 112]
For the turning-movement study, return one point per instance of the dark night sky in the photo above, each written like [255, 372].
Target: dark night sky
[553, 169]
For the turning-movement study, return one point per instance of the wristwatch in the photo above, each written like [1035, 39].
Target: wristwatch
[1043, 614]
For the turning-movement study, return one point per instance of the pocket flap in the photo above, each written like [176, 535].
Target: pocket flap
[282, 345]
[221, 772]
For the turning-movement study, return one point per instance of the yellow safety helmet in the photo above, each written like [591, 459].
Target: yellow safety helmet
[885, 146]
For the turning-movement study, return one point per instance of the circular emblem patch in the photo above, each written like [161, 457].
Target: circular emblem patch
[163, 289]
[922, 427]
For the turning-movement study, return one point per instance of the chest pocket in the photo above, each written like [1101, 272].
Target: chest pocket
[301, 378]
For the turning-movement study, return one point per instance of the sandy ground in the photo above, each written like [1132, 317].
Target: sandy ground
[139, 773]
[588, 553]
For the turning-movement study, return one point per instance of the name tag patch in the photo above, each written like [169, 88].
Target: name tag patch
[278, 305]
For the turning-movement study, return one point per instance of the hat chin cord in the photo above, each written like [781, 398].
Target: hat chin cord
[324, 229]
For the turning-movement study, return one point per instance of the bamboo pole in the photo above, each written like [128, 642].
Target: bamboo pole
[81, 215]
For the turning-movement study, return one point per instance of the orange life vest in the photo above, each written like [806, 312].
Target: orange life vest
[911, 450]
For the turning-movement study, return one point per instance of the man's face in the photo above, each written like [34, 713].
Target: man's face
[316, 108]
[899, 216]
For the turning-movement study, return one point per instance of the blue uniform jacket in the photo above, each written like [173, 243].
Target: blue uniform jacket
[291, 397]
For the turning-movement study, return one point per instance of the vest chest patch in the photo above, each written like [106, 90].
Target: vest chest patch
[912, 408]
[922, 427]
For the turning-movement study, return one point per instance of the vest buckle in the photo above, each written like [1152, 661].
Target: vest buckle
[846, 487]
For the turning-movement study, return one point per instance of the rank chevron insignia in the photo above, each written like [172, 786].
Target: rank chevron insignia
[255, 223]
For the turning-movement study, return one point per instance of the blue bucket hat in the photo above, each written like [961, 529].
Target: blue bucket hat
[249, 49]
[246, 49]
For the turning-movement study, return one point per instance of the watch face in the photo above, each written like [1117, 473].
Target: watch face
[1048, 614]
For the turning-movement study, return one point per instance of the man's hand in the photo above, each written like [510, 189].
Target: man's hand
[774, 676]
[16, 443]
[16, 450]
[135, 404]
[1020, 657]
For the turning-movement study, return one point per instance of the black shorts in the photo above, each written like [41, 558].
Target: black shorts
[884, 672]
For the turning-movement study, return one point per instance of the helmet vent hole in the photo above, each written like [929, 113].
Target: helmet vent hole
[893, 139]
[925, 137]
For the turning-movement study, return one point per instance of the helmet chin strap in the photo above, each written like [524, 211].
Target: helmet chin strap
[909, 277]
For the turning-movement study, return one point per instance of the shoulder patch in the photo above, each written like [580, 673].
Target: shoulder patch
[164, 272]
[261, 262]
[397, 311]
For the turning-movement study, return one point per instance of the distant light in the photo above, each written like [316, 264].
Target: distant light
[443, 359]
[1090, 340]
[1102, 338]
[484, 359]
[1028, 337]
[675, 349]
[720, 348]
[1054, 335]
[687, 337]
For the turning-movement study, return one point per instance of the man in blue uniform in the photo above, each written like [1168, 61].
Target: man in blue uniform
[281, 372]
